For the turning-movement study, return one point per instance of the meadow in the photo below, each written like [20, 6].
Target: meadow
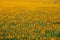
[24, 24]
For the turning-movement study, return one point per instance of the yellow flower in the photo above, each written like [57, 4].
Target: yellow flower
[52, 39]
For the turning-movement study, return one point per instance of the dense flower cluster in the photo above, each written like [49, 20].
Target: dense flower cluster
[19, 24]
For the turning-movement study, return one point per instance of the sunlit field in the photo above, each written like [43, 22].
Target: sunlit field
[29, 20]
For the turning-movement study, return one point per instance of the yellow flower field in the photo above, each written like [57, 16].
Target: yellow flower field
[29, 20]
